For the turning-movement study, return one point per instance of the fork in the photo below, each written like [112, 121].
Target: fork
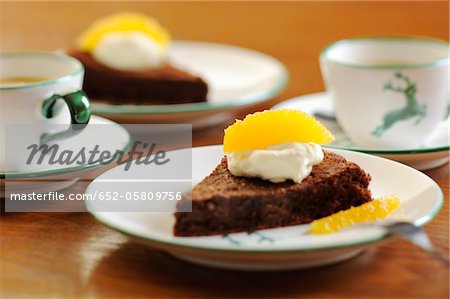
[417, 236]
[325, 114]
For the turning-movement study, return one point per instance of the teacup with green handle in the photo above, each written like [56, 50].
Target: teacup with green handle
[43, 91]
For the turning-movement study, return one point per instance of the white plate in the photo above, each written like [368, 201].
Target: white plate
[56, 177]
[274, 249]
[236, 77]
[433, 153]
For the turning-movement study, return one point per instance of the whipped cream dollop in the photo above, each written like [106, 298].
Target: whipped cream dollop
[129, 51]
[276, 163]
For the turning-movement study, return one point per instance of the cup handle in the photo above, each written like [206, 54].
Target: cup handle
[80, 113]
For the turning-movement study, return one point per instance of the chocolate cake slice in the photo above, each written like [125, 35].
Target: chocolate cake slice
[166, 85]
[223, 203]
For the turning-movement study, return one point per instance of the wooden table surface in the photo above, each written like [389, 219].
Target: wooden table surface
[71, 255]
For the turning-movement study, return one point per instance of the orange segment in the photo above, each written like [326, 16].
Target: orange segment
[270, 127]
[122, 22]
[377, 209]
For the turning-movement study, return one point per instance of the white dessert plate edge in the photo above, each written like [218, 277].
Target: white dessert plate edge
[422, 206]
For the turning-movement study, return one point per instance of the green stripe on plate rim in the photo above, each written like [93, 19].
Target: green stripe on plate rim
[370, 39]
[394, 151]
[422, 150]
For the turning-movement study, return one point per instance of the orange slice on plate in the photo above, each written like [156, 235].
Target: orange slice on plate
[270, 127]
[376, 209]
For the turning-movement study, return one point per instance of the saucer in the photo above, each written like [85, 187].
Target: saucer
[236, 77]
[270, 249]
[434, 153]
[57, 177]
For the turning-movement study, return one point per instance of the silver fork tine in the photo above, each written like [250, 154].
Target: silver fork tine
[417, 236]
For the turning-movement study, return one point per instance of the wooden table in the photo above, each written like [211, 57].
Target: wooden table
[71, 255]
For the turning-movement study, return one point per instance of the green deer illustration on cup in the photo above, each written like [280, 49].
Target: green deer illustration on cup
[412, 108]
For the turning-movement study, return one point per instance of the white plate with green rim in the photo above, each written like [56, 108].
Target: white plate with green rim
[56, 177]
[433, 153]
[236, 77]
[274, 249]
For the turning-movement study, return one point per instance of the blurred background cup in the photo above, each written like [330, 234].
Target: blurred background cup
[388, 92]
[39, 90]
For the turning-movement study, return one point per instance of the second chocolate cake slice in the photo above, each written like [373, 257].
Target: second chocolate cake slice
[223, 203]
[166, 85]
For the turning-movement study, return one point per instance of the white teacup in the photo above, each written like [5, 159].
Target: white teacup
[388, 92]
[31, 87]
